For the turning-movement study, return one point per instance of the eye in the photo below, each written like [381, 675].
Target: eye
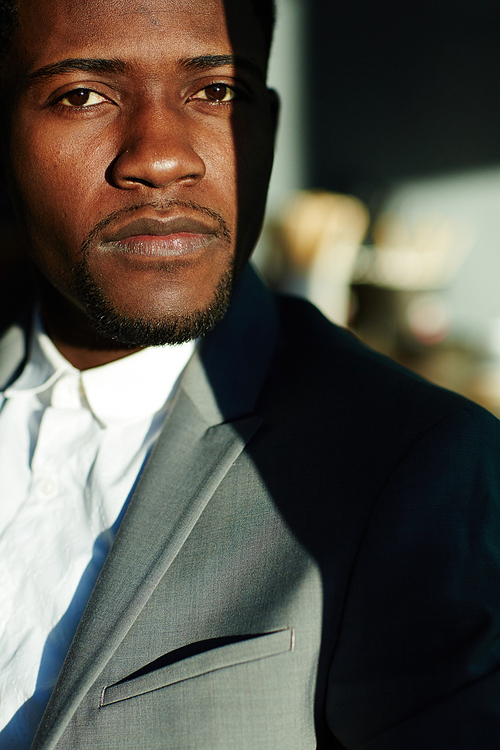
[218, 93]
[81, 98]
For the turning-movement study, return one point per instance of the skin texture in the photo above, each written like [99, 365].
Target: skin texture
[165, 128]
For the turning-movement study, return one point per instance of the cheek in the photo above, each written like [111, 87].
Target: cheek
[40, 172]
[254, 164]
[254, 148]
[46, 205]
[55, 179]
[219, 154]
[238, 166]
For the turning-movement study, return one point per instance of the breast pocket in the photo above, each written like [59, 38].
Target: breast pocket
[230, 655]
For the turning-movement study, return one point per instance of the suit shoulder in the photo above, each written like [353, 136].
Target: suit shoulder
[330, 366]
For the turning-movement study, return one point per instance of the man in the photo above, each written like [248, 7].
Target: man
[298, 542]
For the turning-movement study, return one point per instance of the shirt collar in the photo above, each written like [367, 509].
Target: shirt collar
[126, 390]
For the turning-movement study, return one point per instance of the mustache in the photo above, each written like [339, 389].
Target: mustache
[221, 231]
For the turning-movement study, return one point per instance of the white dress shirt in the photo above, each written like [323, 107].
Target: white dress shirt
[72, 446]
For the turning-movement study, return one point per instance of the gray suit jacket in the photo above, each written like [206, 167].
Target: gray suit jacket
[310, 560]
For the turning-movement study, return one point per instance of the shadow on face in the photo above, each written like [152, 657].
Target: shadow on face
[139, 156]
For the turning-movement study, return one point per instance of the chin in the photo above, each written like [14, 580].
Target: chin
[150, 329]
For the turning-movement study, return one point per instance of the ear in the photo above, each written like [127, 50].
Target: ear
[274, 108]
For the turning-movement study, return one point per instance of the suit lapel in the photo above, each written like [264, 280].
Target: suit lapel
[212, 419]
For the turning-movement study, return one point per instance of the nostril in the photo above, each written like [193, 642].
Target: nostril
[156, 162]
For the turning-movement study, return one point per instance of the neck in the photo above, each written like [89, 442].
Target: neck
[71, 333]
[84, 357]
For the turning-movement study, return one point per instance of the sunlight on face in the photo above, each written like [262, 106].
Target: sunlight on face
[141, 153]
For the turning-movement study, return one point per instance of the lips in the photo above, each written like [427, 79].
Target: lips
[169, 237]
[148, 227]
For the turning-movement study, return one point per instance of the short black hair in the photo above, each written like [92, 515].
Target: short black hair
[8, 24]
[265, 10]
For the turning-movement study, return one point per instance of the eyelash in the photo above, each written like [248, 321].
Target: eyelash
[82, 89]
[237, 93]
[57, 103]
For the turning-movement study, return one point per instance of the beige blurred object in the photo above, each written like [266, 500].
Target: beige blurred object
[485, 387]
[424, 254]
[313, 218]
[321, 234]
[399, 279]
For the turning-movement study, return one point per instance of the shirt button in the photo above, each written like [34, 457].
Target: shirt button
[48, 487]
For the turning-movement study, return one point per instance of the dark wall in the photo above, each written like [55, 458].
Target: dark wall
[401, 88]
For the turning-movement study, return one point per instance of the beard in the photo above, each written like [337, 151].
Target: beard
[120, 329]
[128, 331]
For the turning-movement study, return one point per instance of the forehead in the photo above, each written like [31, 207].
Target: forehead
[55, 29]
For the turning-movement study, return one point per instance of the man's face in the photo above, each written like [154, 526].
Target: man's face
[141, 149]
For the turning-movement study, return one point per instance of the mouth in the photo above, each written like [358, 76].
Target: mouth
[169, 237]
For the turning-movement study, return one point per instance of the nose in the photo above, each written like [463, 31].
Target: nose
[156, 151]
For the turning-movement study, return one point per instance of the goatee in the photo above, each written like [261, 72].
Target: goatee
[158, 331]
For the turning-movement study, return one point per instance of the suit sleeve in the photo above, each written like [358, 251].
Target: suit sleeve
[417, 661]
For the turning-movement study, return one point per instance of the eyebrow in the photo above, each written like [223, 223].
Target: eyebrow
[87, 65]
[103, 66]
[205, 62]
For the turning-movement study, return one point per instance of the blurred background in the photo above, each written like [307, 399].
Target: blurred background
[384, 207]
